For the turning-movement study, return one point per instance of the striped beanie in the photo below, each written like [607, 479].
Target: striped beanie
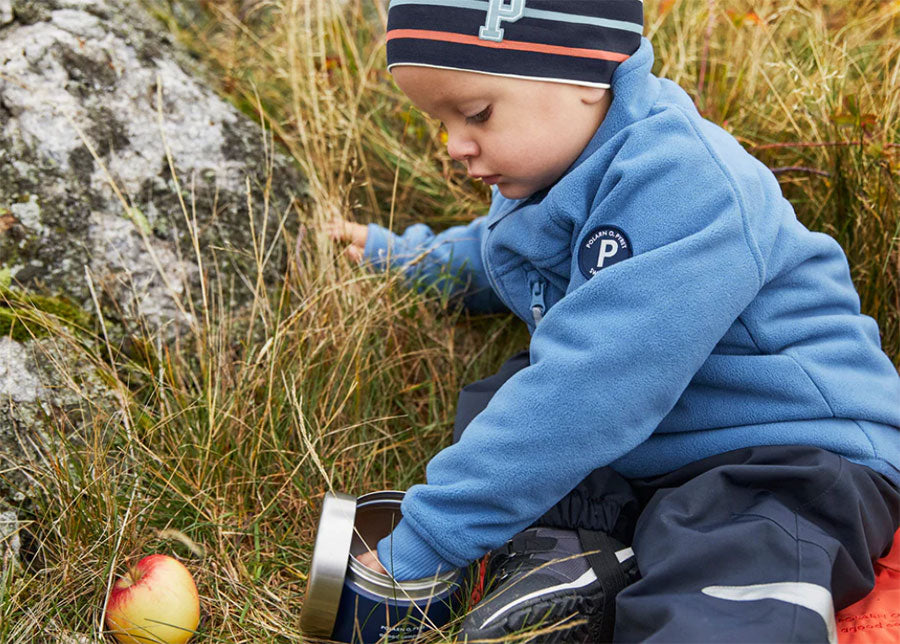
[579, 42]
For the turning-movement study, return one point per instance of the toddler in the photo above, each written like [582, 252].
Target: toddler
[700, 383]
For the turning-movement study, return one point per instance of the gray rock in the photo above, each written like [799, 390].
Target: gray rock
[10, 543]
[9, 537]
[48, 390]
[95, 99]
[6, 12]
[93, 103]
[77, 638]
[18, 383]
[66, 636]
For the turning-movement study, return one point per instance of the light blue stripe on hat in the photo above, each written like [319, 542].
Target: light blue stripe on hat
[481, 5]
[540, 14]
[558, 16]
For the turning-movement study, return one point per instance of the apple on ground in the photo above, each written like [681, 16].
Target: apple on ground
[156, 601]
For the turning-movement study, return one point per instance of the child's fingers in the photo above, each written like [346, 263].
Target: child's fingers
[355, 253]
[370, 559]
[343, 230]
[337, 229]
[358, 234]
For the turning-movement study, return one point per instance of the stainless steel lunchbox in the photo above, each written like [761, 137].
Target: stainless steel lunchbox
[347, 602]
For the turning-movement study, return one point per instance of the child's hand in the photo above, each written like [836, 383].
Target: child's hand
[370, 560]
[346, 231]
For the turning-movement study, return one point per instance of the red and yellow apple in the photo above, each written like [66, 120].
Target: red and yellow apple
[156, 601]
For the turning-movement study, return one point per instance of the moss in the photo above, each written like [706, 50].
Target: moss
[11, 327]
[24, 316]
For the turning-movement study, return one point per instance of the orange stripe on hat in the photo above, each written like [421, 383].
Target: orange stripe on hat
[423, 34]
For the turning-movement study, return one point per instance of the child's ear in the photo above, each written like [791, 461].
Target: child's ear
[593, 95]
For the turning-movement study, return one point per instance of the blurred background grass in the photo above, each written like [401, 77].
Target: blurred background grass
[220, 446]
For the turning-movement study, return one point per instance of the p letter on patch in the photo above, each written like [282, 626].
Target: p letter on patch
[497, 12]
[603, 246]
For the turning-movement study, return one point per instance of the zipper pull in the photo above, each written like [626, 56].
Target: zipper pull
[538, 306]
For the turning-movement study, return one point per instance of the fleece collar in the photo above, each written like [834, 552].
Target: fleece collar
[635, 90]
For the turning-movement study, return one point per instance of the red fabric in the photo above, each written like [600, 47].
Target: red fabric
[875, 619]
[478, 590]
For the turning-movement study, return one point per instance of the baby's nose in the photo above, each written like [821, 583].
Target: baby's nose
[461, 147]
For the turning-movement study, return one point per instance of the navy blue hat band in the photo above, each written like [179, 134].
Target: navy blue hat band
[569, 41]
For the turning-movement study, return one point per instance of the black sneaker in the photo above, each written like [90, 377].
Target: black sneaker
[542, 580]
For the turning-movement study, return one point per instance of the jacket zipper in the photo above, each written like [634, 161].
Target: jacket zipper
[538, 304]
[490, 275]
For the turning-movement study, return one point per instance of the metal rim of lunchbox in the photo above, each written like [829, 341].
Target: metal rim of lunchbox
[329, 564]
[381, 584]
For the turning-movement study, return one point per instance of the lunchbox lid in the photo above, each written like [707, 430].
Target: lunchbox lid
[331, 555]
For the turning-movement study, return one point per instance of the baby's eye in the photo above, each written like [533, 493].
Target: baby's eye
[481, 117]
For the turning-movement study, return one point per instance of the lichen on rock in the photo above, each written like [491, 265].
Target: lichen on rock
[18, 383]
[94, 102]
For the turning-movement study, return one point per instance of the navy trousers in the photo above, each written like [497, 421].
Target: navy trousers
[760, 544]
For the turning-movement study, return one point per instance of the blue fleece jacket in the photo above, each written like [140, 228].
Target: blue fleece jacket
[678, 310]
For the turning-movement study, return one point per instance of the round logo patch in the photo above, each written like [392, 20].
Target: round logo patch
[603, 246]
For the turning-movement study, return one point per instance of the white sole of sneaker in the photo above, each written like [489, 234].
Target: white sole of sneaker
[587, 578]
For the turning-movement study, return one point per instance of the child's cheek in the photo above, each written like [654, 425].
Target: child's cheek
[519, 152]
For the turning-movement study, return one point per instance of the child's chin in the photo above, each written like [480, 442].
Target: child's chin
[514, 191]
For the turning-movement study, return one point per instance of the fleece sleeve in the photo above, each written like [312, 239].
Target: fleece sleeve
[449, 261]
[608, 362]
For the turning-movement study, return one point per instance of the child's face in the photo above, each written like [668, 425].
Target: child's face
[519, 134]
